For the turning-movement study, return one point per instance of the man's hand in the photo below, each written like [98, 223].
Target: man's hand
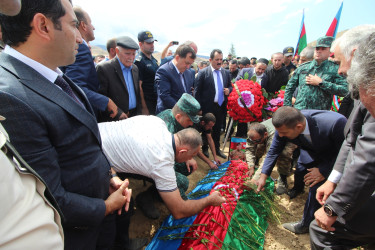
[191, 165]
[324, 221]
[251, 171]
[324, 191]
[216, 199]
[313, 80]
[117, 199]
[112, 108]
[217, 160]
[313, 177]
[261, 183]
[212, 165]
[115, 183]
[226, 91]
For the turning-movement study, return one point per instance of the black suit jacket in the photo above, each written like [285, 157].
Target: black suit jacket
[327, 134]
[205, 88]
[113, 85]
[60, 140]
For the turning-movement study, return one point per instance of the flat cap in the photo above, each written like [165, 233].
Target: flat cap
[127, 43]
[190, 106]
[324, 41]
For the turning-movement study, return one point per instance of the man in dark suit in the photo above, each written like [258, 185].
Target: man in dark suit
[320, 135]
[174, 78]
[119, 80]
[212, 87]
[52, 124]
[82, 72]
[346, 219]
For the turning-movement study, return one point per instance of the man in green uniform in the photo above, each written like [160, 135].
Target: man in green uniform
[317, 81]
[147, 65]
[260, 136]
[184, 114]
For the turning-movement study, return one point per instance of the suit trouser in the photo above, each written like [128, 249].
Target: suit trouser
[356, 231]
[219, 112]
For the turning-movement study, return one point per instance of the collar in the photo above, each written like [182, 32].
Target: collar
[176, 67]
[315, 63]
[48, 73]
[123, 67]
[212, 68]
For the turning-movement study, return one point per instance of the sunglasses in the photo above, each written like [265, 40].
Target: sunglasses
[256, 141]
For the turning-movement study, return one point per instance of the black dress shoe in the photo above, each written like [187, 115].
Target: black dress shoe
[296, 227]
[293, 193]
[221, 154]
[135, 244]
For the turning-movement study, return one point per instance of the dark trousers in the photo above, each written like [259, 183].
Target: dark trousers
[151, 101]
[220, 114]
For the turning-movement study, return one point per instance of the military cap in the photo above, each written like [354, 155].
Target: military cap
[288, 51]
[146, 36]
[190, 106]
[324, 41]
[127, 43]
[263, 60]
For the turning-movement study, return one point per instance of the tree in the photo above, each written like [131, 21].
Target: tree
[232, 51]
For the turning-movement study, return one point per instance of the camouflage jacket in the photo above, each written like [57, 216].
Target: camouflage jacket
[172, 123]
[315, 97]
[251, 147]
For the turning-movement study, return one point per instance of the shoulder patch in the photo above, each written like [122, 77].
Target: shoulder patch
[139, 58]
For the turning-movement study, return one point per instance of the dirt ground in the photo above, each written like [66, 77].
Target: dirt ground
[276, 236]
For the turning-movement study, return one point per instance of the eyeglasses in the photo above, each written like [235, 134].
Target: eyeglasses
[256, 141]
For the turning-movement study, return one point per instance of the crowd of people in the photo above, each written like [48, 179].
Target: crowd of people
[79, 128]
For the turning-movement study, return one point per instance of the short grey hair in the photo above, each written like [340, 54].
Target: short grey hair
[362, 71]
[190, 137]
[308, 52]
[352, 38]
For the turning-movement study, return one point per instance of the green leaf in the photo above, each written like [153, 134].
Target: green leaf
[246, 76]
[254, 78]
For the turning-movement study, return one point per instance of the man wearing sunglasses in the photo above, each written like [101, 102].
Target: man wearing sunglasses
[259, 141]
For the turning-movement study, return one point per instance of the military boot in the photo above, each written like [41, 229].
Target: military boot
[282, 185]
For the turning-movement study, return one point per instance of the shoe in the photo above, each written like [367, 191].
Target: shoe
[221, 154]
[282, 185]
[296, 227]
[205, 152]
[294, 192]
[135, 244]
[145, 202]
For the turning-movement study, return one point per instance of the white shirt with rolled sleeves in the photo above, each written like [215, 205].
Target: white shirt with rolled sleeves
[141, 145]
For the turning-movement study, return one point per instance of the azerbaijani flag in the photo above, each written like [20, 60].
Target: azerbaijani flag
[240, 223]
[302, 40]
[335, 23]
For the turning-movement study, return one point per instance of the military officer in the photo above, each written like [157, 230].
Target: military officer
[147, 65]
[317, 81]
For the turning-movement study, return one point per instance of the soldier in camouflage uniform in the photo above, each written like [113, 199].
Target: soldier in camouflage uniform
[317, 81]
[184, 114]
[260, 136]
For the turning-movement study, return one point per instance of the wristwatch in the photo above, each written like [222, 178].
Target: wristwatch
[329, 211]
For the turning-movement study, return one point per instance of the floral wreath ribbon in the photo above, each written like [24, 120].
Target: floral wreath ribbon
[242, 100]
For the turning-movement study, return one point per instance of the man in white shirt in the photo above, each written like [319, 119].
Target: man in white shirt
[133, 146]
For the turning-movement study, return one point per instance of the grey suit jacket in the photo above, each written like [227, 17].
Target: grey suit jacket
[60, 140]
[354, 199]
[113, 85]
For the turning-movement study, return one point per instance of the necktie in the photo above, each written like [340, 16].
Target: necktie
[304, 141]
[66, 88]
[183, 82]
[220, 91]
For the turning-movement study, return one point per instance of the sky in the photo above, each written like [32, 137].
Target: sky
[255, 28]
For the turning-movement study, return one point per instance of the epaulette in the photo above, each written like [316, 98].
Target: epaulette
[139, 58]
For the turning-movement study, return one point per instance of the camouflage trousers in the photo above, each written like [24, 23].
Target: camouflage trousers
[181, 178]
[284, 161]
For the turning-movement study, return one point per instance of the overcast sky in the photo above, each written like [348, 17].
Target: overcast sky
[256, 28]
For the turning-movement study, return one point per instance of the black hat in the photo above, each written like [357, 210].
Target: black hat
[146, 36]
[263, 60]
[288, 51]
[127, 43]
